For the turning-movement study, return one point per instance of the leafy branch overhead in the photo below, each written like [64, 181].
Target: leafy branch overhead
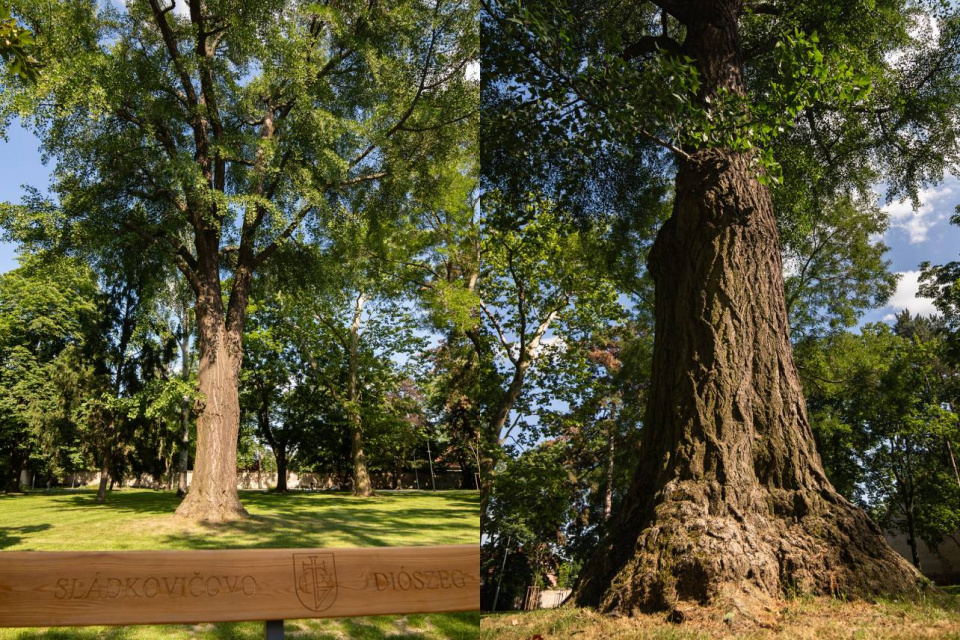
[649, 89]
[16, 46]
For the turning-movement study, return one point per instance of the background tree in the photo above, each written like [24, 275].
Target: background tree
[275, 383]
[47, 310]
[878, 409]
[834, 266]
[942, 283]
[537, 280]
[350, 324]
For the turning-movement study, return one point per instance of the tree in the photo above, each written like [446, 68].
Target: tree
[942, 283]
[533, 500]
[343, 312]
[15, 45]
[877, 406]
[47, 311]
[730, 501]
[275, 385]
[835, 267]
[537, 277]
[216, 136]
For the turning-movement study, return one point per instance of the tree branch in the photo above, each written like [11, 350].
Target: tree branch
[186, 263]
[651, 44]
[500, 334]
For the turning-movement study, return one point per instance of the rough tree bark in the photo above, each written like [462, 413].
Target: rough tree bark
[213, 492]
[730, 503]
[362, 486]
[185, 409]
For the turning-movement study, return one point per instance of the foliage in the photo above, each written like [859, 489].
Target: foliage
[835, 267]
[16, 44]
[47, 312]
[877, 404]
[942, 283]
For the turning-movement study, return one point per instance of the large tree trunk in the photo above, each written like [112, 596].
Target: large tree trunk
[213, 492]
[730, 504]
[362, 486]
[730, 500]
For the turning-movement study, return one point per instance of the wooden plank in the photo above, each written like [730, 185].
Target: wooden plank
[157, 587]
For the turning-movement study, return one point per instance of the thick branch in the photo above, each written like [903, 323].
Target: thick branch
[651, 44]
[503, 339]
[183, 258]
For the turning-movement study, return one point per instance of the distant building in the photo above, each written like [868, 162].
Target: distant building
[942, 565]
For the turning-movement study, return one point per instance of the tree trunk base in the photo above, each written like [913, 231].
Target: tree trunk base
[223, 507]
[695, 553]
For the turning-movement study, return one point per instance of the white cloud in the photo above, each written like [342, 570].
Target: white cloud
[791, 266]
[905, 296]
[924, 31]
[180, 7]
[472, 71]
[917, 223]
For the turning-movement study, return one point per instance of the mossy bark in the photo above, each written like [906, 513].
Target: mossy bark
[730, 502]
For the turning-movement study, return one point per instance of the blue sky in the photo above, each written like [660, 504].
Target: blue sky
[19, 165]
[914, 236]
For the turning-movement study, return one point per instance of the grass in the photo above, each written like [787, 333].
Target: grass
[802, 618]
[143, 519]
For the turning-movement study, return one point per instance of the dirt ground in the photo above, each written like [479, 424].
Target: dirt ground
[803, 618]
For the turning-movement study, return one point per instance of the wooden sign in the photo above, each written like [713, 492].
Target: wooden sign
[158, 587]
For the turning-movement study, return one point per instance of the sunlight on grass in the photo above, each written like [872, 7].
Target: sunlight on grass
[805, 618]
[143, 519]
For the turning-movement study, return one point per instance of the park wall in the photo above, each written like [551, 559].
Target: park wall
[942, 564]
[264, 480]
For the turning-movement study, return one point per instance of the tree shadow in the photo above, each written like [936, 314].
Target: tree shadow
[8, 536]
[75, 633]
[292, 520]
[140, 502]
[305, 527]
[452, 626]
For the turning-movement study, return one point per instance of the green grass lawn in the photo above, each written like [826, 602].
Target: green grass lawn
[143, 519]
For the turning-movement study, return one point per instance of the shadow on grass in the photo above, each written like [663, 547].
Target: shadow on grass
[448, 626]
[292, 521]
[8, 536]
[140, 502]
[295, 519]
